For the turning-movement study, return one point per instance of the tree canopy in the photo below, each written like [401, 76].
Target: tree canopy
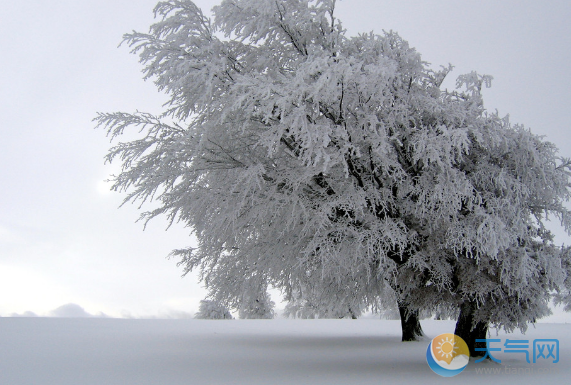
[337, 169]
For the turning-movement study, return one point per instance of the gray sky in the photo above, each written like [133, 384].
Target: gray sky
[62, 238]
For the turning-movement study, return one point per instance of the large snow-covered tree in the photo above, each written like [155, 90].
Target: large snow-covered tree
[336, 168]
[510, 267]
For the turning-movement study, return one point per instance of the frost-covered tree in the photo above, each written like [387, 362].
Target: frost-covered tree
[495, 255]
[335, 167]
[563, 295]
[268, 147]
[209, 309]
[510, 267]
[258, 306]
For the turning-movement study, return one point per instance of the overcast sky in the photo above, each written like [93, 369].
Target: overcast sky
[62, 237]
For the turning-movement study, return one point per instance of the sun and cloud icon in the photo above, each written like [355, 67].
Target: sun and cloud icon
[447, 355]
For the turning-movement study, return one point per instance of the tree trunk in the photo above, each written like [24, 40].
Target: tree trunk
[353, 315]
[470, 332]
[410, 323]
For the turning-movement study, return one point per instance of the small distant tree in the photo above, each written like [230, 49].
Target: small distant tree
[212, 310]
[237, 284]
[258, 306]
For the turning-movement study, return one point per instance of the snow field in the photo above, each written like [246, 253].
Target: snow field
[59, 351]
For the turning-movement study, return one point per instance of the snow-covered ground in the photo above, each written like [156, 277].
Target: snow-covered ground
[103, 351]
